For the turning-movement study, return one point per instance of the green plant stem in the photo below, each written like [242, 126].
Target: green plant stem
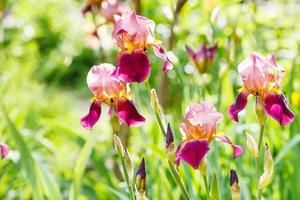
[206, 186]
[174, 171]
[130, 188]
[260, 138]
[179, 180]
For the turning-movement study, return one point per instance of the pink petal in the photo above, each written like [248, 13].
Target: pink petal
[4, 150]
[238, 106]
[237, 150]
[133, 67]
[277, 107]
[160, 52]
[127, 113]
[167, 65]
[192, 152]
[190, 52]
[92, 117]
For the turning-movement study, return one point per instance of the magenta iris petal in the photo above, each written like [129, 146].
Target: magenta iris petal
[237, 150]
[238, 106]
[4, 150]
[132, 67]
[192, 152]
[127, 113]
[277, 107]
[167, 65]
[86, 9]
[92, 117]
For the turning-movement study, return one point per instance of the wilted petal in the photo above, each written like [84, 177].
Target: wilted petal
[92, 117]
[238, 106]
[192, 152]
[127, 113]
[133, 67]
[3, 150]
[237, 150]
[276, 106]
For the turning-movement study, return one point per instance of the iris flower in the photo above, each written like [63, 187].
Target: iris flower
[109, 90]
[262, 77]
[134, 35]
[199, 129]
[203, 57]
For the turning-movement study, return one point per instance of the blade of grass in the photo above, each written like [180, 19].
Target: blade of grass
[290, 144]
[80, 166]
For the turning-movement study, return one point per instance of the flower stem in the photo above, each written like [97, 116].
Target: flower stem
[260, 138]
[179, 181]
[130, 188]
[206, 186]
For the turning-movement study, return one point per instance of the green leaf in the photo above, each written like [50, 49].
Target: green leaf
[27, 162]
[290, 144]
[80, 167]
[214, 188]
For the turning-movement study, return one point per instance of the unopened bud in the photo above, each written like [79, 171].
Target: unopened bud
[170, 145]
[260, 110]
[129, 165]
[203, 166]
[118, 145]
[234, 185]
[267, 176]
[141, 182]
[154, 100]
[252, 146]
[4, 150]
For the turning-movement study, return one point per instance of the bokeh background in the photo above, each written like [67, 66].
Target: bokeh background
[46, 50]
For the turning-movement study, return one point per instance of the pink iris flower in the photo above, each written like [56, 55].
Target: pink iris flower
[199, 129]
[109, 9]
[203, 57]
[262, 77]
[89, 6]
[4, 150]
[134, 34]
[109, 90]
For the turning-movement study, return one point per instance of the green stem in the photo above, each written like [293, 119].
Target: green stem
[179, 181]
[260, 138]
[206, 186]
[130, 188]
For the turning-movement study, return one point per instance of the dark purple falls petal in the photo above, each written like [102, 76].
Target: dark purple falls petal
[192, 152]
[127, 113]
[238, 106]
[277, 107]
[132, 67]
[92, 117]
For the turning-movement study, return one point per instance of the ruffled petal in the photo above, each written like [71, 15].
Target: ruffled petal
[237, 150]
[192, 152]
[277, 107]
[132, 67]
[92, 117]
[238, 106]
[127, 112]
[4, 150]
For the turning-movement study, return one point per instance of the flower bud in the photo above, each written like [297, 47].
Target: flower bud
[170, 145]
[203, 166]
[129, 165]
[141, 181]
[260, 110]
[252, 146]
[267, 176]
[118, 145]
[4, 150]
[234, 185]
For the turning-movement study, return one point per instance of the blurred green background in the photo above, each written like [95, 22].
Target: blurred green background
[46, 50]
